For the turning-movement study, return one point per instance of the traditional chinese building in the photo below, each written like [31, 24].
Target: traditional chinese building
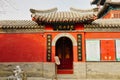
[98, 2]
[86, 42]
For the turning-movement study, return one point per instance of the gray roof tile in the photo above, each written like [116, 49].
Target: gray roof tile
[71, 16]
[18, 24]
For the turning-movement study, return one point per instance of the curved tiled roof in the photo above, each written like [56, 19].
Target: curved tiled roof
[61, 17]
[100, 26]
[106, 7]
[107, 22]
[65, 17]
[82, 11]
[98, 2]
[43, 11]
[104, 25]
[18, 24]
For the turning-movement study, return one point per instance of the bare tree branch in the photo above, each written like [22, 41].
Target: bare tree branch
[5, 4]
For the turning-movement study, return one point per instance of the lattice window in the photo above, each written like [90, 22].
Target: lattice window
[116, 15]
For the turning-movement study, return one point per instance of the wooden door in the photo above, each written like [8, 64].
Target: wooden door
[64, 50]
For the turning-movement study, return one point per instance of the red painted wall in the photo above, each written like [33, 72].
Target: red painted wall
[79, 27]
[107, 43]
[102, 35]
[111, 13]
[48, 27]
[108, 15]
[21, 48]
[74, 34]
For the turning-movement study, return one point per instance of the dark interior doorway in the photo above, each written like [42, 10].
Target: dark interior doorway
[64, 50]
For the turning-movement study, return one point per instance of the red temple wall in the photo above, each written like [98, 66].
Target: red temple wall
[21, 48]
[108, 15]
[107, 43]
[74, 34]
[96, 35]
[30, 47]
[112, 14]
[79, 27]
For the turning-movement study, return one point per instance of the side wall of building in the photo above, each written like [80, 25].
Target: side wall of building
[30, 51]
[22, 47]
[112, 14]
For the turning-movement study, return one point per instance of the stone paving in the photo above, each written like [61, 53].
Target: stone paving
[39, 78]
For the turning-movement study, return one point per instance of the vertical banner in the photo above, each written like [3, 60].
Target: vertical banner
[79, 46]
[107, 50]
[92, 50]
[49, 50]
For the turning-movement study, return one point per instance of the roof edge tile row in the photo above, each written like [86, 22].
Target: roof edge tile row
[61, 17]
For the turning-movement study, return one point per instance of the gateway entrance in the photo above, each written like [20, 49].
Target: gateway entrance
[64, 50]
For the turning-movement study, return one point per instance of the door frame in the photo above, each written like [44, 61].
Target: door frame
[64, 35]
[74, 43]
[64, 50]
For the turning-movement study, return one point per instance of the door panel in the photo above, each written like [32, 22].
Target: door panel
[64, 50]
[93, 50]
[107, 50]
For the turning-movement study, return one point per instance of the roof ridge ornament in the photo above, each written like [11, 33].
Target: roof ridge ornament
[44, 11]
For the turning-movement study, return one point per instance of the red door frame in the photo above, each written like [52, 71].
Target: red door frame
[66, 56]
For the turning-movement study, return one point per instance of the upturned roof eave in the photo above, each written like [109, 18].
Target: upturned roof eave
[64, 17]
[44, 11]
[94, 2]
[106, 6]
[102, 10]
[115, 21]
[98, 2]
[72, 9]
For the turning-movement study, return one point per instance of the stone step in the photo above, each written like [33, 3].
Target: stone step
[66, 76]
[28, 78]
[40, 78]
